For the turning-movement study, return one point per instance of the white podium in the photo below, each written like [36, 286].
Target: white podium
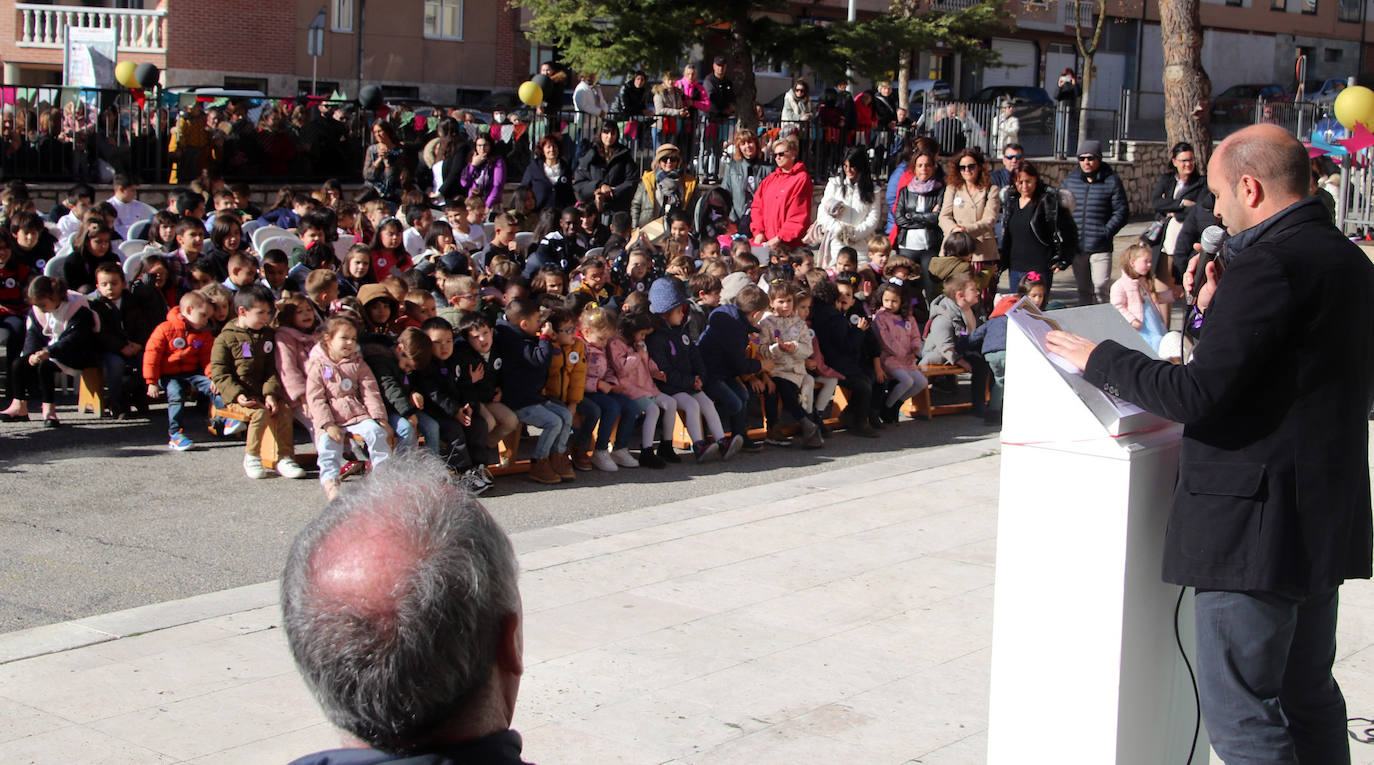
[1085, 666]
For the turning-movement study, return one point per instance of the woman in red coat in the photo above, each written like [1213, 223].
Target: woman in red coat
[781, 211]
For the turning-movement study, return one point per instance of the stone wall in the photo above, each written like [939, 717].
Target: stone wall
[1139, 163]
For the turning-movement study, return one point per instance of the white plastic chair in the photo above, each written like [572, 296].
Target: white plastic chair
[133, 246]
[490, 228]
[523, 240]
[265, 233]
[285, 242]
[54, 267]
[342, 244]
[594, 252]
[133, 266]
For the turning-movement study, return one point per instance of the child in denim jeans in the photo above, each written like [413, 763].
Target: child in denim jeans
[177, 358]
[523, 346]
[604, 400]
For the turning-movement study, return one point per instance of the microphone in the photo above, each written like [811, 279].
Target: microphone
[1212, 239]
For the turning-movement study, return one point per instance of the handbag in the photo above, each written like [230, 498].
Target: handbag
[1154, 234]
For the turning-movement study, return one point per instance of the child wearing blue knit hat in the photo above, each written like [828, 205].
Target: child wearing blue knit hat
[683, 370]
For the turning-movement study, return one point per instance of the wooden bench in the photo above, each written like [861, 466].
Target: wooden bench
[90, 391]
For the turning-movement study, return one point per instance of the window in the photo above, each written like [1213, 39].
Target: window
[341, 15]
[444, 19]
[1333, 55]
[322, 87]
[1347, 10]
[1236, 3]
[1309, 7]
[1278, 5]
[246, 83]
[401, 92]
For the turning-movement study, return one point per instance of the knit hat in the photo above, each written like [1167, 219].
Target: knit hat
[731, 285]
[1093, 148]
[663, 149]
[665, 294]
[370, 292]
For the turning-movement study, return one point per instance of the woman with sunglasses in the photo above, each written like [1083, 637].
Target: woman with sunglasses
[1174, 195]
[607, 167]
[972, 205]
[796, 108]
[781, 210]
[665, 188]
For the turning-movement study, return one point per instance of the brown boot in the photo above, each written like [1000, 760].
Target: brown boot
[562, 466]
[580, 459]
[542, 472]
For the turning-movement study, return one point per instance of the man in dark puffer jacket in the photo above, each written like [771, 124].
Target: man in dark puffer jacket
[1100, 210]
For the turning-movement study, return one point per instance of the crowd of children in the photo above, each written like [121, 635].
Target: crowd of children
[428, 333]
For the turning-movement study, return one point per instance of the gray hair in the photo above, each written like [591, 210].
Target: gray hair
[392, 672]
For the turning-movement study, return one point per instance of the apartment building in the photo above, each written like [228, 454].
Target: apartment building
[444, 51]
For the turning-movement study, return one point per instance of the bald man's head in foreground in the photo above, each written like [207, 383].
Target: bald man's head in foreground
[1256, 172]
[402, 610]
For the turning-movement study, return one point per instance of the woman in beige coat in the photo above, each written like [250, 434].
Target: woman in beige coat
[972, 205]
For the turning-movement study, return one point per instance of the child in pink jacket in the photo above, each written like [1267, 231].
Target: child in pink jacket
[295, 337]
[900, 338]
[342, 395]
[635, 373]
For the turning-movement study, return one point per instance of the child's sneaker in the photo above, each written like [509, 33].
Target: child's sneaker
[623, 458]
[179, 442]
[648, 459]
[233, 427]
[732, 447]
[486, 475]
[352, 467]
[667, 453]
[705, 450]
[474, 482]
[776, 438]
[287, 467]
[601, 459]
[750, 445]
[252, 466]
[811, 435]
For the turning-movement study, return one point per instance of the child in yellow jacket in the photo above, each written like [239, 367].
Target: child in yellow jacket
[567, 378]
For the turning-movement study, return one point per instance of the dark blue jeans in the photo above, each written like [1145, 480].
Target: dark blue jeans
[177, 386]
[606, 409]
[732, 404]
[1264, 676]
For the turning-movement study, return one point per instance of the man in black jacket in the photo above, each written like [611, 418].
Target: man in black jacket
[1100, 209]
[1272, 508]
[720, 91]
[369, 584]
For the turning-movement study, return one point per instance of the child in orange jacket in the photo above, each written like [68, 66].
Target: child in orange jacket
[177, 358]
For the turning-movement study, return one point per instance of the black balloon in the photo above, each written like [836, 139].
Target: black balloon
[370, 97]
[147, 75]
[542, 80]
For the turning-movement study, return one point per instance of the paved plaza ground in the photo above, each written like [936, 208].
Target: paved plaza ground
[842, 616]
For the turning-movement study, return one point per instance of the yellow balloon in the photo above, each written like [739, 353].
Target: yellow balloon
[124, 74]
[1355, 104]
[531, 94]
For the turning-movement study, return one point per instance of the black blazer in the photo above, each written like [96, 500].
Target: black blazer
[1273, 489]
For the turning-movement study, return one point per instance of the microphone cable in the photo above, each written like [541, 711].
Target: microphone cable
[1197, 700]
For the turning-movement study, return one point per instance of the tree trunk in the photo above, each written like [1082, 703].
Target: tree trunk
[1084, 98]
[1187, 89]
[904, 82]
[746, 88]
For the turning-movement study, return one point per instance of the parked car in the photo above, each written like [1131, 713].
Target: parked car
[1032, 106]
[1237, 103]
[926, 91]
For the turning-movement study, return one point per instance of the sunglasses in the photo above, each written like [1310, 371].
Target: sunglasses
[1086, 157]
[671, 158]
[966, 168]
[1013, 156]
[779, 154]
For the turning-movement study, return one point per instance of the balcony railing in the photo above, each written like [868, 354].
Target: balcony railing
[45, 26]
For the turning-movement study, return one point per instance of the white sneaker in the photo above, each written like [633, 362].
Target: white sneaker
[252, 466]
[287, 467]
[486, 475]
[601, 460]
[232, 427]
[623, 458]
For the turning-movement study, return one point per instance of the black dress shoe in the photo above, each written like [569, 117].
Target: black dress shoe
[14, 418]
[51, 422]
